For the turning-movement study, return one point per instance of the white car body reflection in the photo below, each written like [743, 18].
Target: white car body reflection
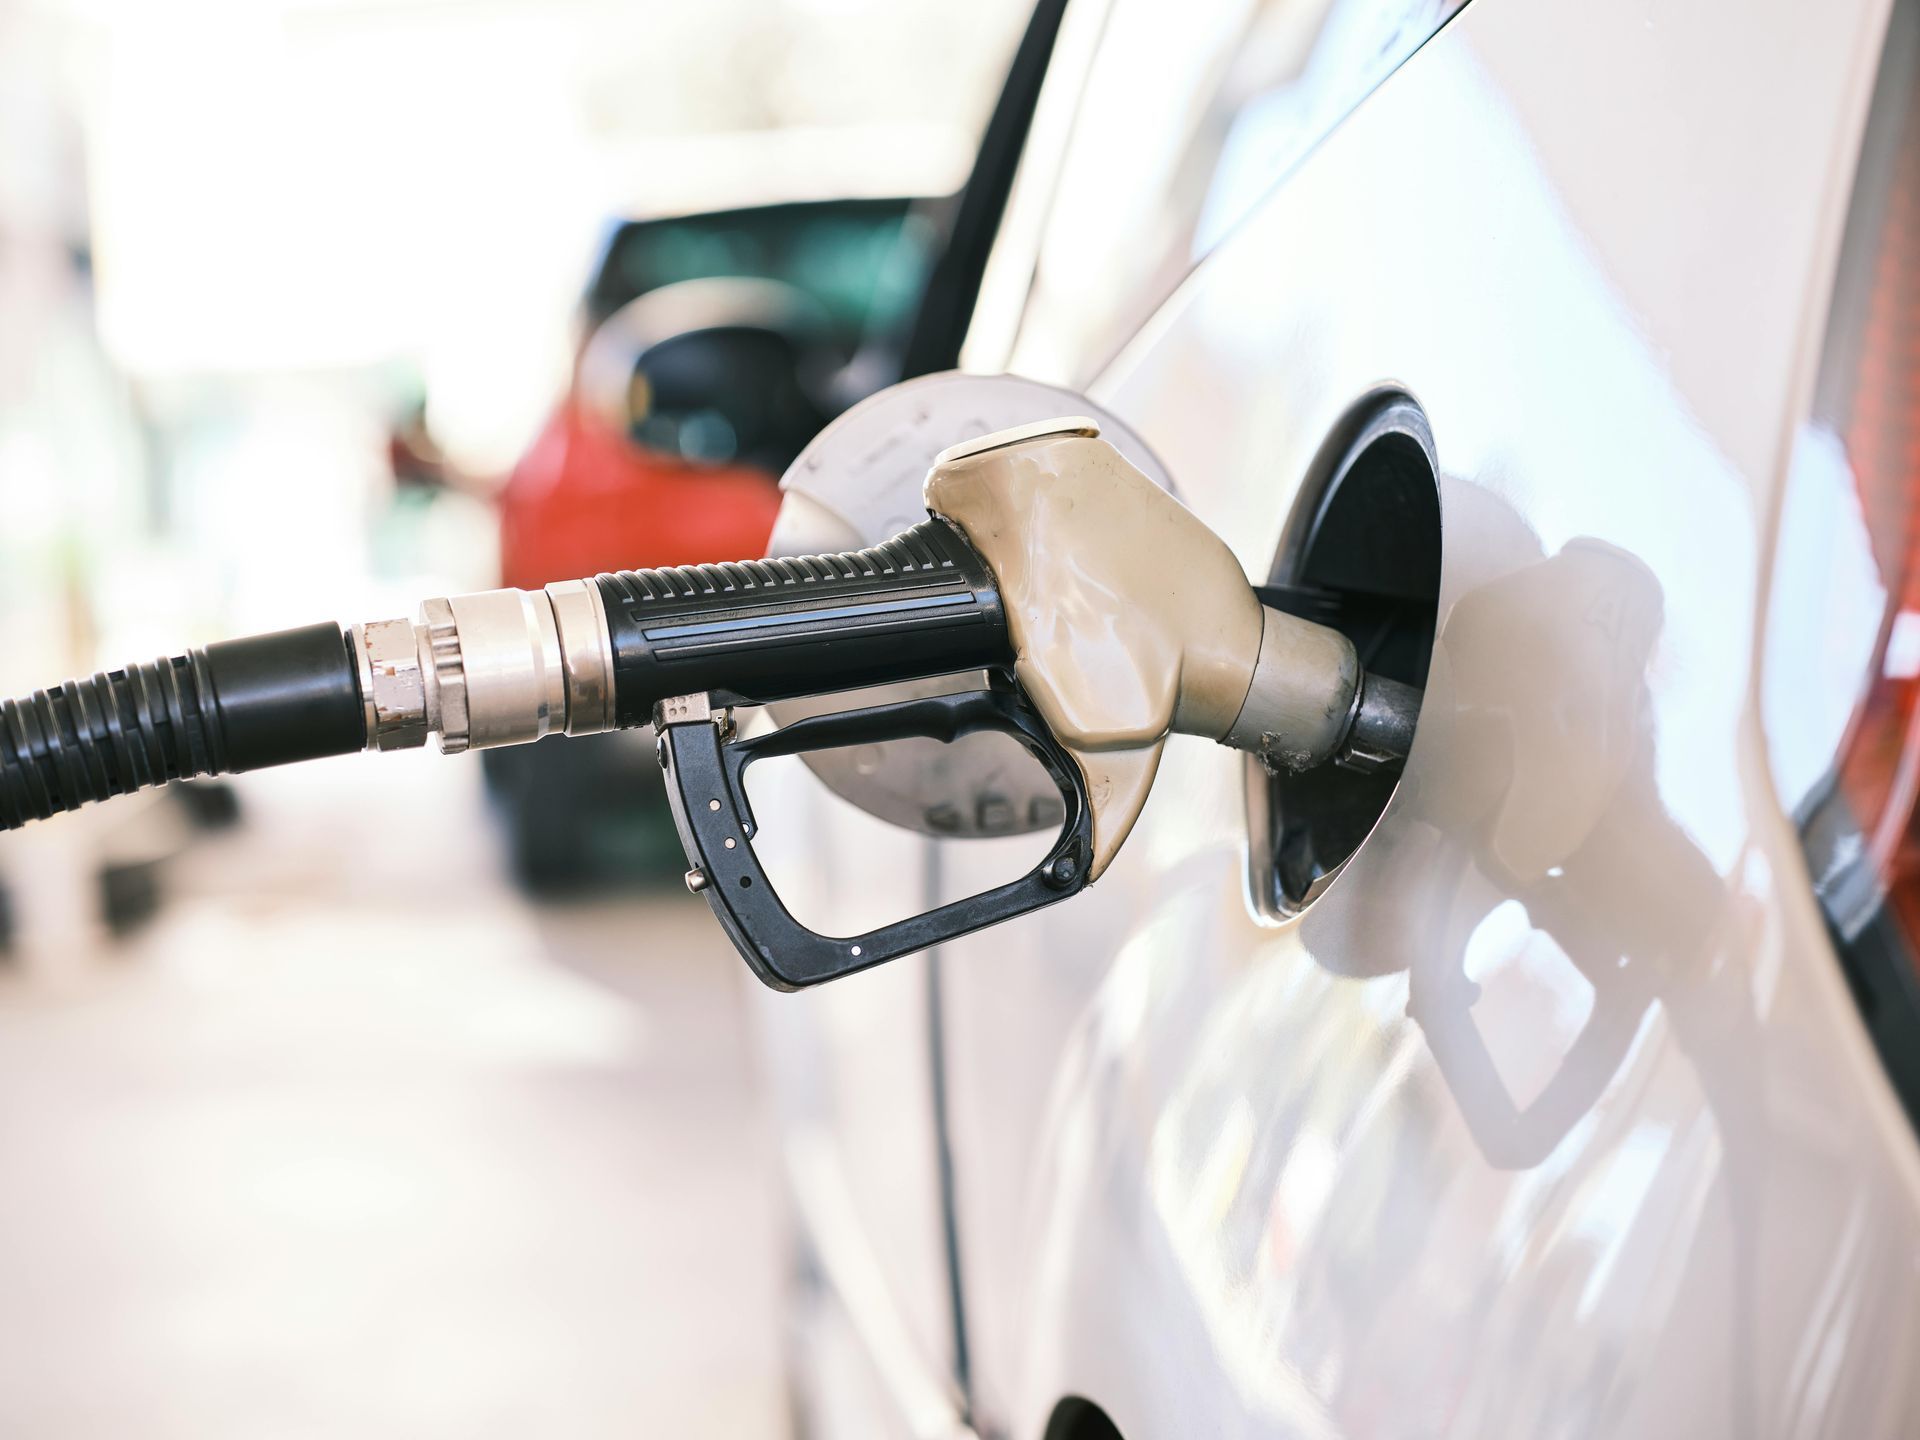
[1553, 1113]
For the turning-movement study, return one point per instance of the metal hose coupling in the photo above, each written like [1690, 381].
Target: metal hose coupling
[498, 667]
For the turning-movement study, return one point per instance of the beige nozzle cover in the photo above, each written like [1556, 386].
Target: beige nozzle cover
[1129, 617]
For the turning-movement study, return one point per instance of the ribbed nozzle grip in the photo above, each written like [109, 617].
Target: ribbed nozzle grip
[922, 603]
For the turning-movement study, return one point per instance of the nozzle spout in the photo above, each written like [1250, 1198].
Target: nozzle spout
[1303, 696]
[1310, 703]
[1382, 732]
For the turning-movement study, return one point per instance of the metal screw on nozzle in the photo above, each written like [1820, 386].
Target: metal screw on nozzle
[1062, 870]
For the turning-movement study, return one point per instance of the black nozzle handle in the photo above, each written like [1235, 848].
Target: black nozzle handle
[237, 705]
[706, 769]
[923, 603]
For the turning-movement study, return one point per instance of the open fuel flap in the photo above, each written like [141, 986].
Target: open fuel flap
[1361, 553]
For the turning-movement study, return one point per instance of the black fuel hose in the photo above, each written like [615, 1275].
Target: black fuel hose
[508, 666]
[234, 706]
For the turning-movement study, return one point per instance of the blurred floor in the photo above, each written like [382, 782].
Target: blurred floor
[353, 1141]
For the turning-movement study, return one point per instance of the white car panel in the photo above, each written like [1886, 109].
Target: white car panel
[1553, 1115]
[850, 1069]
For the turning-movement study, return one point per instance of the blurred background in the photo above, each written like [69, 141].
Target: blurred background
[411, 1097]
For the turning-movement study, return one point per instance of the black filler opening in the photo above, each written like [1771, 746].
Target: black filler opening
[1361, 553]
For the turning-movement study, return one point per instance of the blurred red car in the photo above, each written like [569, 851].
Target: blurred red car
[585, 498]
[715, 347]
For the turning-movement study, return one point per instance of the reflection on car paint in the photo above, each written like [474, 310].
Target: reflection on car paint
[1552, 1115]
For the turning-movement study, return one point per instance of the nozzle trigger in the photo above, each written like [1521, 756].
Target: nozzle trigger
[706, 764]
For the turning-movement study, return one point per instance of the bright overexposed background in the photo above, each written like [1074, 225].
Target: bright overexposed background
[298, 212]
[348, 1136]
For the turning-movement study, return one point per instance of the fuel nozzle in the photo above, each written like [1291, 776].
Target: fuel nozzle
[1105, 614]
[1130, 620]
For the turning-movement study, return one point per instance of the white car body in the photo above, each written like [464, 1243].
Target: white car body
[1553, 1115]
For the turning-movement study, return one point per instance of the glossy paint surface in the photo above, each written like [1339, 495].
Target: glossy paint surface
[1553, 1115]
[850, 1068]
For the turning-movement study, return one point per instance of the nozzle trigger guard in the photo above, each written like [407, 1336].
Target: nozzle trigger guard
[706, 765]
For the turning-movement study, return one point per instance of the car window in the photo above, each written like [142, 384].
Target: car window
[1190, 114]
[860, 260]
